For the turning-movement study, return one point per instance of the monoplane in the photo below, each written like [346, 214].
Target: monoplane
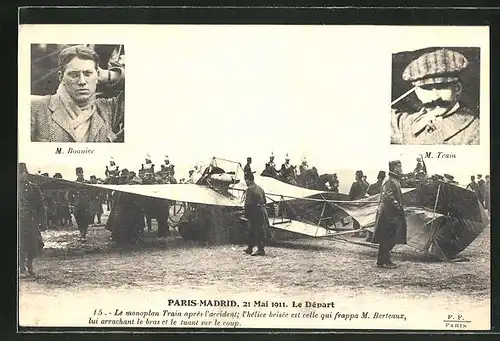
[443, 218]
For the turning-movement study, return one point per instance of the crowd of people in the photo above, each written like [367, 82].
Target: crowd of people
[481, 188]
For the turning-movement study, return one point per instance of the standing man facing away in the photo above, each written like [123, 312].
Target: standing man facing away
[255, 212]
[390, 227]
[32, 216]
[74, 114]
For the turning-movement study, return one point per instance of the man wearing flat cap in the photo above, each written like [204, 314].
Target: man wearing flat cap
[442, 119]
[73, 113]
[390, 225]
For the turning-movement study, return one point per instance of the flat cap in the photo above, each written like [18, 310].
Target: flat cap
[79, 169]
[440, 66]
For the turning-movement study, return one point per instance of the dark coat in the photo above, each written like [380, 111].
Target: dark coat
[32, 214]
[50, 121]
[357, 190]
[374, 188]
[390, 225]
[96, 200]
[255, 201]
[82, 205]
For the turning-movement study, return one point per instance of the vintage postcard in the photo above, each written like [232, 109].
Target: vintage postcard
[268, 176]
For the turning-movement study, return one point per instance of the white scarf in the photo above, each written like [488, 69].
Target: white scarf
[80, 116]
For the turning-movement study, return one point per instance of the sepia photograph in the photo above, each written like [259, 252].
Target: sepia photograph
[435, 96]
[77, 93]
[256, 188]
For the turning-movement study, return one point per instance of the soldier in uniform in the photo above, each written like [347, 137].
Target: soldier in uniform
[288, 171]
[169, 170]
[303, 167]
[32, 217]
[112, 174]
[248, 168]
[113, 170]
[270, 168]
[442, 119]
[96, 200]
[357, 192]
[147, 175]
[390, 226]
[62, 205]
[255, 212]
[82, 206]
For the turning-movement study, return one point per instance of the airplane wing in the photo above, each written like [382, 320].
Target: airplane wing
[178, 192]
[277, 191]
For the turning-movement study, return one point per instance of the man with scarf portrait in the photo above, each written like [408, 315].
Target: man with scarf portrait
[74, 113]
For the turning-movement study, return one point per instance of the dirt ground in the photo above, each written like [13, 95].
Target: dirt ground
[292, 267]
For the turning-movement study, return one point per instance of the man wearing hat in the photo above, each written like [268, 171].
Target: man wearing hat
[357, 192]
[255, 212]
[32, 217]
[63, 215]
[147, 171]
[96, 201]
[390, 226]
[169, 170]
[270, 168]
[73, 113]
[288, 171]
[248, 168]
[442, 119]
[82, 206]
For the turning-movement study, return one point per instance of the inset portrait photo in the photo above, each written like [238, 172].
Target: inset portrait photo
[77, 93]
[435, 96]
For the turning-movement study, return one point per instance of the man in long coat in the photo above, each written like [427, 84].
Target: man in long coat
[82, 206]
[32, 216]
[97, 200]
[126, 219]
[390, 227]
[255, 212]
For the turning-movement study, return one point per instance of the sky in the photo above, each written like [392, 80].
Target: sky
[194, 92]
